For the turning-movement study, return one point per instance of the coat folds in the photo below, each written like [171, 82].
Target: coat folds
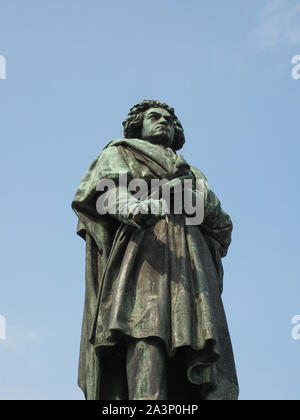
[163, 280]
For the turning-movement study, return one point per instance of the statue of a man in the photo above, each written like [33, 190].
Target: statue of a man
[154, 326]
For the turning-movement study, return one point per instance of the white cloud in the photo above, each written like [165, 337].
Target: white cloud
[18, 341]
[278, 24]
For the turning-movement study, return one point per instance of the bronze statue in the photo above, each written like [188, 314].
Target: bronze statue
[154, 326]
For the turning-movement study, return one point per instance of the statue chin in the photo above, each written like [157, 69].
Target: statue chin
[163, 140]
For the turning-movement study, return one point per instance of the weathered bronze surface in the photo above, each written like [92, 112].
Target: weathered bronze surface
[154, 325]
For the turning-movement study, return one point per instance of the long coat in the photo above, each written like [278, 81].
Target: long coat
[164, 280]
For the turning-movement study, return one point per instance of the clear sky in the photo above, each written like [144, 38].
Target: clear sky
[73, 70]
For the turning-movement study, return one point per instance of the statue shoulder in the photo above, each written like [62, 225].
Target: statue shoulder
[111, 148]
[198, 174]
[121, 142]
[114, 142]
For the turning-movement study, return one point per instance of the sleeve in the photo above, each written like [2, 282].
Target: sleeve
[108, 165]
[217, 224]
[216, 228]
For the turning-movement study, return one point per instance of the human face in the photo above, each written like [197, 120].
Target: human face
[158, 127]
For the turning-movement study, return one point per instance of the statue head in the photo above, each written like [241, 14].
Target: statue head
[156, 122]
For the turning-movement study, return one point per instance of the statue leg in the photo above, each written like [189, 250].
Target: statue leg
[146, 369]
[113, 385]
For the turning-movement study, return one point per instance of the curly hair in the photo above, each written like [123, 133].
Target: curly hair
[134, 122]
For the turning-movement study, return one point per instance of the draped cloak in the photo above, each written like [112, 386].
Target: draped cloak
[163, 280]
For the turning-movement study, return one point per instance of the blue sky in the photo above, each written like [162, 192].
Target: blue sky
[73, 70]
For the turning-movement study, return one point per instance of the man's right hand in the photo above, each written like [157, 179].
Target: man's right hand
[123, 206]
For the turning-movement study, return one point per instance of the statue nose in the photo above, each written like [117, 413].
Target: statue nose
[163, 121]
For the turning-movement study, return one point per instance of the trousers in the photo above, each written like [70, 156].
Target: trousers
[137, 371]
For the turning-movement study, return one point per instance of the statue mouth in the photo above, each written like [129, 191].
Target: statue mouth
[161, 127]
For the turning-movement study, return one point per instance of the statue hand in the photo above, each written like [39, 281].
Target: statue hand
[150, 211]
